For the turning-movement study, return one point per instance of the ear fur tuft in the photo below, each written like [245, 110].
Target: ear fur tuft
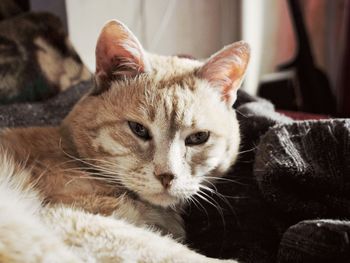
[225, 69]
[118, 54]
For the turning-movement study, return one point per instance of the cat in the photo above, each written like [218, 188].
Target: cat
[108, 183]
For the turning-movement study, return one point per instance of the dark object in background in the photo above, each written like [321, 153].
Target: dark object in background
[23, 4]
[279, 87]
[312, 92]
[55, 7]
[344, 78]
[37, 59]
[11, 8]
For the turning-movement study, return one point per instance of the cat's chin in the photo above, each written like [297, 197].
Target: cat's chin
[161, 199]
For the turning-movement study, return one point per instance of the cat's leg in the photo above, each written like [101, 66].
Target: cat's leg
[167, 221]
[23, 237]
[102, 239]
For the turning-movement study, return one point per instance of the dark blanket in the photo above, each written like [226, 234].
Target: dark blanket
[303, 169]
[303, 172]
[49, 112]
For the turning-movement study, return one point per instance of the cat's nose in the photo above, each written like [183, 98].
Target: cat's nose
[166, 179]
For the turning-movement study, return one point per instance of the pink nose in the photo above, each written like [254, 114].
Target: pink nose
[166, 179]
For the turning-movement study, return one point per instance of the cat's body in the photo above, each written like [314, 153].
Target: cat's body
[149, 137]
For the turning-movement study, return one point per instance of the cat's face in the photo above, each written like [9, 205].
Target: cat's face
[160, 126]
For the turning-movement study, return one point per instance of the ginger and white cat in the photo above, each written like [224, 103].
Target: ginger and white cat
[106, 185]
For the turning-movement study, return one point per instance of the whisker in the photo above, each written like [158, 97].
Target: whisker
[89, 172]
[225, 180]
[223, 198]
[83, 161]
[249, 150]
[207, 188]
[245, 116]
[218, 208]
[99, 178]
[209, 182]
[195, 202]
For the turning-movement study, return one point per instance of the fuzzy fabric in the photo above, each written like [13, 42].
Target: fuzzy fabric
[43, 113]
[316, 241]
[303, 169]
[37, 60]
[303, 173]
[10, 8]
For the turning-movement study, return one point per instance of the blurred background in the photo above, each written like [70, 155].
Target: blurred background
[300, 49]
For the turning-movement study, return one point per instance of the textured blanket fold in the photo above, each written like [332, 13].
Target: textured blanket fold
[316, 241]
[43, 113]
[303, 169]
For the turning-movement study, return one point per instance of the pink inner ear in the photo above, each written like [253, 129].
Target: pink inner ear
[225, 69]
[118, 52]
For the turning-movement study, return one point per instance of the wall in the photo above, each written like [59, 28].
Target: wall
[194, 27]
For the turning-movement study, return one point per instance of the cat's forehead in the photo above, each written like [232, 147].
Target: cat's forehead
[170, 95]
[168, 77]
[171, 66]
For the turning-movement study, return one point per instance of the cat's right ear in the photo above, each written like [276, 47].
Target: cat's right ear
[118, 55]
[225, 70]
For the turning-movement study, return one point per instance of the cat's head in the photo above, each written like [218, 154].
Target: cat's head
[160, 126]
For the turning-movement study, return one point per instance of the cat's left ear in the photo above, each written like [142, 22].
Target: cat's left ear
[118, 55]
[225, 70]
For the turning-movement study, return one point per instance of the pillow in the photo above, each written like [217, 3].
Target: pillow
[37, 59]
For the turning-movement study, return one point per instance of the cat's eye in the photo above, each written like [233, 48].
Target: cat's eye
[139, 130]
[197, 138]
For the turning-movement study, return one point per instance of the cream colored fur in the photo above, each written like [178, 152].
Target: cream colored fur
[30, 233]
[23, 236]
